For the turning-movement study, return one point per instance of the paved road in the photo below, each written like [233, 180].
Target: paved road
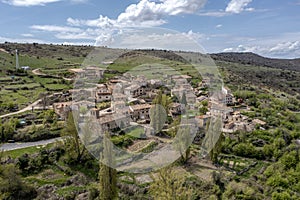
[14, 146]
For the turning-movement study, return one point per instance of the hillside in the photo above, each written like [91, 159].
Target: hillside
[255, 157]
[254, 59]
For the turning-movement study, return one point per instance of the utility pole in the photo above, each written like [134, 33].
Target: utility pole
[17, 60]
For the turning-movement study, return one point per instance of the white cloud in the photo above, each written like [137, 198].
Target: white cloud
[21, 40]
[238, 6]
[88, 34]
[195, 36]
[285, 48]
[79, 1]
[102, 21]
[27, 35]
[242, 48]
[29, 2]
[155, 39]
[219, 26]
[145, 13]
[78, 43]
[154, 12]
[53, 28]
[233, 7]
[282, 49]
[214, 13]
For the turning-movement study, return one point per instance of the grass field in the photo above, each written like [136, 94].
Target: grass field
[30, 150]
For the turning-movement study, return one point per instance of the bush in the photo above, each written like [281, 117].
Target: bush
[289, 160]
[122, 141]
[281, 196]
[247, 150]
[11, 185]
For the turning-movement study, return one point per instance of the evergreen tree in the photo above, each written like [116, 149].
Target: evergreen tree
[183, 99]
[107, 173]
[72, 141]
[157, 114]
[182, 142]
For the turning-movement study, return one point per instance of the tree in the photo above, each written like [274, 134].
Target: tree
[289, 160]
[214, 153]
[11, 185]
[49, 117]
[169, 185]
[158, 112]
[172, 131]
[182, 142]
[8, 128]
[245, 149]
[281, 196]
[165, 102]
[44, 99]
[212, 134]
[107, 174]
[72, 141]
[183, 99]
[240, 190]
[203, 110]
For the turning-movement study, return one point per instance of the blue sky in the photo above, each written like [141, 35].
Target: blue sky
[267, 27]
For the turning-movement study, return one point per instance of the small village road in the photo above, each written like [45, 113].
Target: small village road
[15, 146]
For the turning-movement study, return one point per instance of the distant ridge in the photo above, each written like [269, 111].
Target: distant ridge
[249, 58]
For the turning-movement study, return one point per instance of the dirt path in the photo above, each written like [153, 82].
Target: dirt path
[29, 107]
[38, 72]
[3, 50]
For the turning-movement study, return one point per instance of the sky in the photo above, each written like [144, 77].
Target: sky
[267, 27]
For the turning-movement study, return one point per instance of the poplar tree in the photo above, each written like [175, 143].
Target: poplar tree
[107, 173]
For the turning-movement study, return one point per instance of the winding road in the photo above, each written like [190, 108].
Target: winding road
[29, 107]
[15, 146]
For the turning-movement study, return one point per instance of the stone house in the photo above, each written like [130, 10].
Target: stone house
[202, 120]
[135, 91]
[140, 112]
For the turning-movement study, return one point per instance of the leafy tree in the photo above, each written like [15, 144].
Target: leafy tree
[281, 196]
[8, 128]
[277, 180]
[203, 110]
[172, 131]
[268, 150]
[240, 190]
[49, 117]
[165, 102]
[11, 185]
[169, 185]
[290, 159]
[247, 150]
[107, 174]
